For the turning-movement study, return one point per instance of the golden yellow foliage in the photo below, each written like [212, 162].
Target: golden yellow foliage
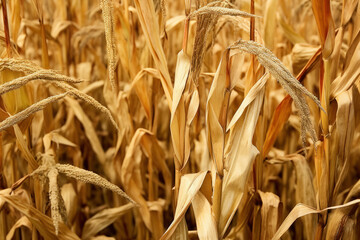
[190, 119]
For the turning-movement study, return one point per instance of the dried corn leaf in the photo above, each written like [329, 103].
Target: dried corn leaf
[24, 148]
[302, 53]
[41, 222]
[60, 26]
[250, 97]
[221, 111]
[216, 112]
[301, 210]
[88, 99]
[141, 90]
[290, 33]
[22, 222]
[17, 100]
[178, 112]
[351, 230]
[270, 214]
[239, 161]
[325, 23]
[351, 72]
[89, 129]
[205, 222]
[305, 192]
[56, 138]
[103, 219]
[280, 116]
[153, 150]
[102, 237]
[349, 8]
[173, 22]
[339, 218]
[270, 23]
[70, 198]
[189, 187]
[345, 129]
[131, 174]
[150, 27]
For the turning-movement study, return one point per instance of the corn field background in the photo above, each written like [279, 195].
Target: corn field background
[194, 119]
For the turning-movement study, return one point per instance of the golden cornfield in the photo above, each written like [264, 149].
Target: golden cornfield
[189, 119]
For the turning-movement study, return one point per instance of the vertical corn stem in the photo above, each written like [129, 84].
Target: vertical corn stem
[217, 198]
[325, 24]
[252, 21]
[325, 97]
[187, 25]
[252, 81]
[186, 35]
[178, 169]
[177, 186]
[47, 112]
[2, 178]
[6, 28]
[325, 122]
[249, 84]
[151, 186]
[220, 172]
[3, 226]
[44, 55]
[319, 229]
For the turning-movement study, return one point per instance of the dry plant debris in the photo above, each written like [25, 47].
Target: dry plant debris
[184, 111]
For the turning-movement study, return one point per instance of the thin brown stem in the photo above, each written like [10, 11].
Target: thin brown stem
[6, 28]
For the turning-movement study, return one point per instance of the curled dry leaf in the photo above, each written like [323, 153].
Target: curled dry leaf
[103, 219]
[149, 24]
[158, 114]
[270, 214]
[40, 221]
[131, 176]
[305, 191]
[301, 210]
[326, 27]
[178, 114]
[340, 220]
[206, 226]
[216, 111]
[88, 99]
[189, 187]
[89, 129]
[270, 23]
[22, 222]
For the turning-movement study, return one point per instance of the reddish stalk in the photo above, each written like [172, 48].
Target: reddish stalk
[6, 28]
